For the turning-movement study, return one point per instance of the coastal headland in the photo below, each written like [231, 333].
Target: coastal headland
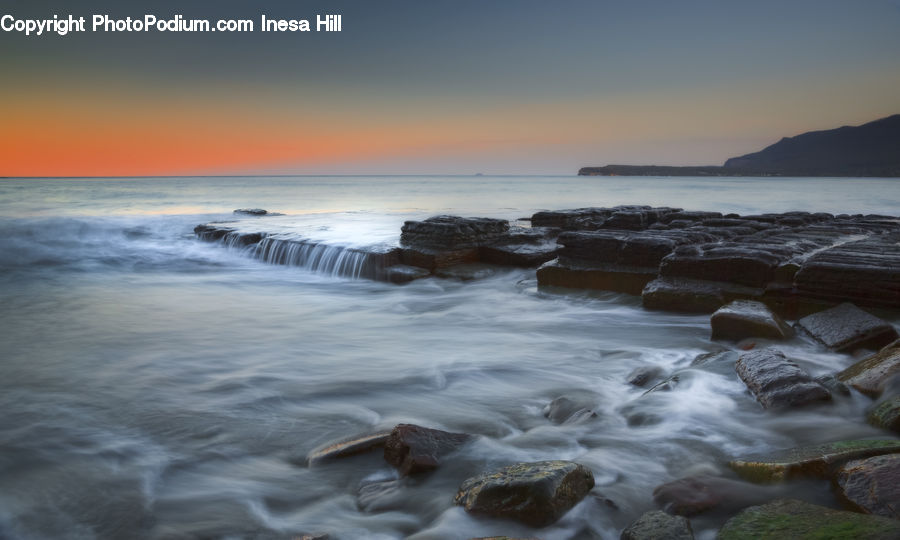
[872, 149]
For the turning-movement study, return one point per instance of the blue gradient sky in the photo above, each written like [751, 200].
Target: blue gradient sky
[513, 87]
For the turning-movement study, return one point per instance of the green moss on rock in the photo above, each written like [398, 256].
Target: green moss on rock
[886, 414]
[810, 461]
[788, 518]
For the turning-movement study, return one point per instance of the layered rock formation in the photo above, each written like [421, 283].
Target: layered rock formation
[796, 262]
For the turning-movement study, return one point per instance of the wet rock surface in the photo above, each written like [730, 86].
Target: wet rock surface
[870, 375]
[537, 494]
[707, 260]
[846, 327]
[789, 518]
[656, 525]
[452, 232]
[566, 410]
[817, 461]
[348, 447]
[745, 319]
[871, 485]
[777, 382]
[642, 376]
[416, 449]
[679, 260]
[886, 414]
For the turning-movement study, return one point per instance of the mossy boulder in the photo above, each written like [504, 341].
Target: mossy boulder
[886, 414]
[789, 518]
[871, 374]
[537, 494]
[811, 461]
[658, 524]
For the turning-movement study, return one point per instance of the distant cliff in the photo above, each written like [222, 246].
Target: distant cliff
[871, 149]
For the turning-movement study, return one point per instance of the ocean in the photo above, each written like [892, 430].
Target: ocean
[157, 386]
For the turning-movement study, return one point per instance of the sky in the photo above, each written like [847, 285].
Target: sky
[438, 86]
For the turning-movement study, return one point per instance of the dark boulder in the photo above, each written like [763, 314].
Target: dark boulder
[745, 319]
[871, 485]
[789, 518]
[415, 449]
[777, 382]
[846, 327]
[537, 494]
[658, 525]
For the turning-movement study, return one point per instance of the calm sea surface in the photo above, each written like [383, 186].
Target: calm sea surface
[156, 386]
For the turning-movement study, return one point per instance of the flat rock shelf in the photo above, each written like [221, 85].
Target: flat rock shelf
[796, 263]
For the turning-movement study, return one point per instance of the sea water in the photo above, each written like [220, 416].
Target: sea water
[156, 386]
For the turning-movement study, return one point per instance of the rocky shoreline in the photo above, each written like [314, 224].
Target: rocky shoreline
[693, 261]
[832, 275]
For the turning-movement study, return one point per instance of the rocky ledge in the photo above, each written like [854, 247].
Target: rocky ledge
[796, 263]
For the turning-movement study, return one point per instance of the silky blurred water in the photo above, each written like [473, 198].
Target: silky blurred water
[156, 386]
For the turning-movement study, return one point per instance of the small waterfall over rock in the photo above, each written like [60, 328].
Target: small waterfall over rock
[333, 260]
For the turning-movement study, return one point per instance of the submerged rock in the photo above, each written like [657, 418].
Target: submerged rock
[687, 496]
[745, 319]
[810, 461]
[872, 485]
[846, 327]
[415, 449]
[643, 375]
[564, 410]
[401, 273]
[777, 382]
[348, 447]
[537, 494]
[789, 518]
[380, 496]
[712, 358]
[658, 525]
[870, 375]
